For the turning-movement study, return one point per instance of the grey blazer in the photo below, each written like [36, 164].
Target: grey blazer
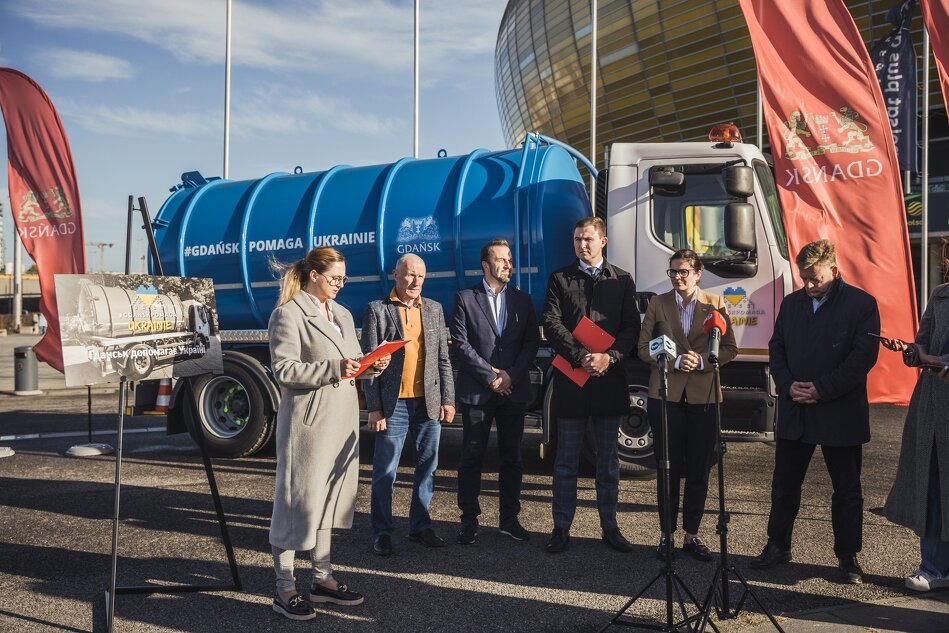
[317, 423]
[381, 322]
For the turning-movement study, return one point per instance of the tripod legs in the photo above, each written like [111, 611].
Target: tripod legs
[674, 585]
[718, 591]
[718, 594]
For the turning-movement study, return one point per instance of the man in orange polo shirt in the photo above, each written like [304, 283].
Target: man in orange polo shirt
[411, 397]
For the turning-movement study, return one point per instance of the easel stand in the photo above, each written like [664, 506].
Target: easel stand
[718, 591]
[186, 393]
[675, 587]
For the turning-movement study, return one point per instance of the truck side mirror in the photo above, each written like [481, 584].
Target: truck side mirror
[739, 181]
[665, 181]
[740, 227]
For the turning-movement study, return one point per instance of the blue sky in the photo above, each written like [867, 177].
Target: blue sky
[139, 87]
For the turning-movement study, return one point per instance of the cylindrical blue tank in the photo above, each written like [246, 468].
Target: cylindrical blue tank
[443, 209]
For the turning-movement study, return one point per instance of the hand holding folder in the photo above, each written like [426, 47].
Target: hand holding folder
[383, 349]
[592, 337]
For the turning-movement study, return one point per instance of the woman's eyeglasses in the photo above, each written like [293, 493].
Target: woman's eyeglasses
[335, 281]
[679, 272]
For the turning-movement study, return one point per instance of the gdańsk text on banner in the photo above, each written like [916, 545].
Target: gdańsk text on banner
[834, 160]
[44, 195]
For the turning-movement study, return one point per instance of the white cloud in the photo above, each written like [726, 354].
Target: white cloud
[324, 36]
[284, 110]
[269, 110]
[134, 122]
[85, 65]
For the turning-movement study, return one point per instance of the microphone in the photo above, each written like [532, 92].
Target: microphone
[662, 347]
[715, 325]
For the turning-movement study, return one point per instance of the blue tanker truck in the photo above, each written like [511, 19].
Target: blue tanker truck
[717, 198]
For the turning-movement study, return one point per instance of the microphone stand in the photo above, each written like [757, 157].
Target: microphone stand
[668, 572]
[720, 593]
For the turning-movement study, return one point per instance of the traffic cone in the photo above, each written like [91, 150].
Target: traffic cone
[163, 399]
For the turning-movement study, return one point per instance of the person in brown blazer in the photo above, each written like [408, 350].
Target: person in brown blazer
[690, 388]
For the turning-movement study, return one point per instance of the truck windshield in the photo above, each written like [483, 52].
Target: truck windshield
[695, 217]
[774, 206]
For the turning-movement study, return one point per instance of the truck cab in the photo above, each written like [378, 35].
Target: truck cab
[718, 199]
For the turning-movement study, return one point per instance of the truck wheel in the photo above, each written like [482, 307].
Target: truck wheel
[233, 413]
[138, 363]
[633, 441]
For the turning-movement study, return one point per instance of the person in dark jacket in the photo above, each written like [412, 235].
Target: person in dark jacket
[495, 335]
[821, 352]
[606, 294]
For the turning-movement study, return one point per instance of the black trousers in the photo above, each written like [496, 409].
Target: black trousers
[509, 419]
[691, 446]
[791, 459]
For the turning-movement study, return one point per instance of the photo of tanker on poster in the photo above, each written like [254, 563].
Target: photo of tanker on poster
[136, 326]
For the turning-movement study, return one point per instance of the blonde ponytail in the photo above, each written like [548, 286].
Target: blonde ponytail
[294, 276]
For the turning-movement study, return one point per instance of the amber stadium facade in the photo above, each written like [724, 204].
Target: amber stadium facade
[668, 70]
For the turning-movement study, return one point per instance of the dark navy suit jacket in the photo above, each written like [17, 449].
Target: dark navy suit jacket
[479, 346]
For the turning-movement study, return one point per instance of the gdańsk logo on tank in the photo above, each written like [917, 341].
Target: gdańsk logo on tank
[418, 235]
[809, 135]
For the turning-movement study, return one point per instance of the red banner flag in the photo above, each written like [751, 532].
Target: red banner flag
[44, 195]
[834, 160]
[936, 18]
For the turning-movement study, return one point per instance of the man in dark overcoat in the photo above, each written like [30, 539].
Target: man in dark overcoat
[606, 294]
[821, 352]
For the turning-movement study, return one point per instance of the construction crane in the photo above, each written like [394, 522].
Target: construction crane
[101, 246]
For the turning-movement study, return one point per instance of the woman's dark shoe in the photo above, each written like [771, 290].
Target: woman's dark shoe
[515, 530]
[341, 595]
[695, 548]
[296, 608]
[666, 549]
[467, 534]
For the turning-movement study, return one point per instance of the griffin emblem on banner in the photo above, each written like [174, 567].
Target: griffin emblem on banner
[851, 135]
[54, 201]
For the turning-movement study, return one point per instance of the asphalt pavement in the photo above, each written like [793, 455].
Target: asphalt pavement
[56, 527]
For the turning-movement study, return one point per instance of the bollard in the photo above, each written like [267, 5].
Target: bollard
[25, 372]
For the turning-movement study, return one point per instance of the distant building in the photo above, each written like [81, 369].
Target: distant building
[668, 71]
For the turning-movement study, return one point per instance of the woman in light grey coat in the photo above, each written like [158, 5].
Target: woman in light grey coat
[314, 352]
[919, 498]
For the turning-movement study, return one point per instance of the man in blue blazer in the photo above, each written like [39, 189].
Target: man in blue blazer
[495, 335]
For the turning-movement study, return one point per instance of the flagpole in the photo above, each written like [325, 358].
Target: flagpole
[759, 132]
[17, 280]
[924, 174]
[227, 92]
[415, 88]
[593, 65]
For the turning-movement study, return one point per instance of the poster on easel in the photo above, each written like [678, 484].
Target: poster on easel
[137, 327]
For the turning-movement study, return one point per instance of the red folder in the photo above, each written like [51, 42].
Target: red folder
[384, 349]
[592, 337]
